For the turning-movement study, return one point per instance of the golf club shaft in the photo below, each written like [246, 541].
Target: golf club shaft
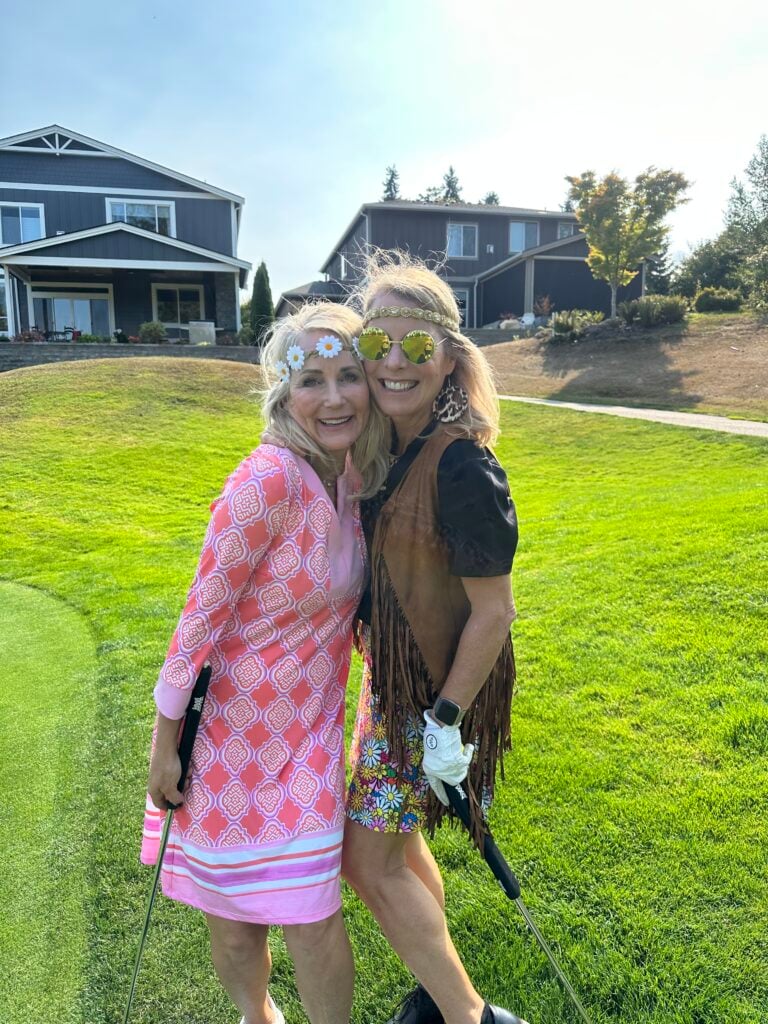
[186, 743]
[509, 883]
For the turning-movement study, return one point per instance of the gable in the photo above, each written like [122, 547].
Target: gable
[60, 157]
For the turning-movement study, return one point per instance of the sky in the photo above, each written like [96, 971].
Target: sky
[300, 106]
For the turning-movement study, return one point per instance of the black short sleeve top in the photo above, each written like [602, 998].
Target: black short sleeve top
[477, 514]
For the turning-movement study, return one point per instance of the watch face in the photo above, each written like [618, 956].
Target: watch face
[446, 711]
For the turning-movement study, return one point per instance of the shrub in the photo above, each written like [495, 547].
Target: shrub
[152, 333]
[92, 339]
[30, 335]
[4, 337]
[653, 310]
[572, 324]
[543, 306]
[723, 300]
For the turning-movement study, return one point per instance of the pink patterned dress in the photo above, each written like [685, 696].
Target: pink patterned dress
[258, 837]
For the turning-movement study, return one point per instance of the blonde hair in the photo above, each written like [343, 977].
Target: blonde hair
[411, 279]
[370, 453]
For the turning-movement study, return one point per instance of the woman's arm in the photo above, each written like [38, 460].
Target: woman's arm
[487, 628]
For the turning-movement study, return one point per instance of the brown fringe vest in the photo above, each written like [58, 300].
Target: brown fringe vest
[419, 613]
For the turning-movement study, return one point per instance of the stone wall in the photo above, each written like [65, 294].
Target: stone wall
[13, 356]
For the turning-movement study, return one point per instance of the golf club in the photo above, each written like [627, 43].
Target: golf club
[187, 741]
[509, 883]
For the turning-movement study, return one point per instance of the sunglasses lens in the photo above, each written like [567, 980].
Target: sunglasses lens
[418, 346]
[373, 343]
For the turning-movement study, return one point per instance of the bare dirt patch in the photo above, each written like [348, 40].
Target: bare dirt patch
[717, 363]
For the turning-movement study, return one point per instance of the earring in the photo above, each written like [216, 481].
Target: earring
[451, 403]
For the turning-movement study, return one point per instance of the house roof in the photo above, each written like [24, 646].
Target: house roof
[42, 252]
[314, 289]
[60, 141]
[483, 209]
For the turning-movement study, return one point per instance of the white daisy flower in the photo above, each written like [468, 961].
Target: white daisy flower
[282, 371]
[295, 357]
[328, 347]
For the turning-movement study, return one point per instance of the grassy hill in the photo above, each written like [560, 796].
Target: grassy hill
[716, 363]
[634, 808]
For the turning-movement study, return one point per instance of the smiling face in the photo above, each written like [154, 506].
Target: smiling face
[405, 390]
[329, 398]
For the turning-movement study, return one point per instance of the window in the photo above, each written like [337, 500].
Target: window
[3, 307]
[159, 217]
[462, 241]
[462, 301]
[20, 223]
[176, 304]
[344, 267]
[523, 235]
[87, 308]
[566, 228]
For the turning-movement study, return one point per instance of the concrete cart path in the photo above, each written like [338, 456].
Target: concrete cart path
[701, 421]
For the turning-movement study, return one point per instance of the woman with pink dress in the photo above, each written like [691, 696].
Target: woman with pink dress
[258, 838]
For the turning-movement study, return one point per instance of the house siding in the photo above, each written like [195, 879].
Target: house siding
[119, 245]
[111, 172]
[352, 246]
[570, 285]
[205, 223]
[504, 293]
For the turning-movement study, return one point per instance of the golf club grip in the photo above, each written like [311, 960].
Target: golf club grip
[491, 853]
[191, 722]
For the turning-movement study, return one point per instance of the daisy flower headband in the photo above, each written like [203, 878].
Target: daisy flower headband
[328, 346]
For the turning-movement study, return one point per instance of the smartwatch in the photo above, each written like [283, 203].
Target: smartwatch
[447, 712]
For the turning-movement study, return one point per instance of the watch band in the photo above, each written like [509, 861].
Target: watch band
[447, 712]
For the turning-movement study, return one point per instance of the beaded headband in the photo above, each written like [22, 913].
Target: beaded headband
[408, 311]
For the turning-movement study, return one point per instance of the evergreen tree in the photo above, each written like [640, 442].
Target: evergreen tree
[658, 271]
[624, 224]
[391, 184]
[490, 199]
[451, 187]
[433, 194]
[567, 205]
[262, 309]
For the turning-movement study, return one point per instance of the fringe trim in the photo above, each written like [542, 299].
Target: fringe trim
[404, 688]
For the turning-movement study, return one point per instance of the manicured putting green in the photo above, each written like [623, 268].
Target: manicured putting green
[47, 656]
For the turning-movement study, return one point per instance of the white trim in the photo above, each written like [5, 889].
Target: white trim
[34, 186]
[14, 202]
[568, 224]
[526, 248]
[462, 224]
[155, 203]
[560, 259]
[466, 303]
[12, 141]
[104, 229]
[81, 261]
[63, 290]
[5, 284]
[343, 267]
[186, 287]
[642, 279]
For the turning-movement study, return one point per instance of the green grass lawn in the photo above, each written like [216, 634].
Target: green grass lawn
[634, 808]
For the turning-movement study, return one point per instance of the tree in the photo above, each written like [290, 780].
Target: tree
[262, 310]
[747, 214]
[567, 205]
[451, 187]
[624, 224]
[716, 263]
[433, 194]
[491, 199]
[658, 274]
[391, 184]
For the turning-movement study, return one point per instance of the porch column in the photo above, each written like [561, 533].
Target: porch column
[9, 304]
[528, 292]
[238, 324]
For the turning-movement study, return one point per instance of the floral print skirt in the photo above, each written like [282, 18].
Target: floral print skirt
[383, 795]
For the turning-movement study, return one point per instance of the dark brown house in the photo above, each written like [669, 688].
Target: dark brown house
[498, 259]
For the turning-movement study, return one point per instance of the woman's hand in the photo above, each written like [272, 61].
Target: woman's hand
[446, 758]
[165, 767]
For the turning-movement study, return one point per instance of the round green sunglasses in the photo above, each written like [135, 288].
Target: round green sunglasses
[418, 346]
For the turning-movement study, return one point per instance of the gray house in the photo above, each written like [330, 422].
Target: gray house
[498, 259]
[94, 239]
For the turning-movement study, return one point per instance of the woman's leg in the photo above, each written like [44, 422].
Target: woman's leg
[419, 859]
[242, 960]
[376, 865]
[325, 972]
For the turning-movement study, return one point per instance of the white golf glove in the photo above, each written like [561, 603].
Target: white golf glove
[445, 759]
